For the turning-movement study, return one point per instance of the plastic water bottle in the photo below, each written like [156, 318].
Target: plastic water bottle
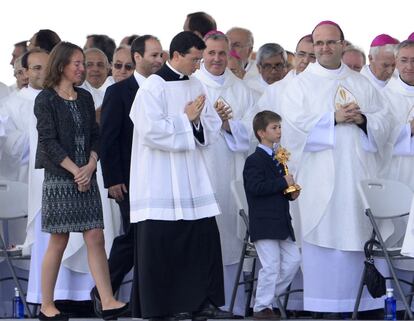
[18, 307]
[390, 308]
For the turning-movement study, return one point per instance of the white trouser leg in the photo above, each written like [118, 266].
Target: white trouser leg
[280, 261]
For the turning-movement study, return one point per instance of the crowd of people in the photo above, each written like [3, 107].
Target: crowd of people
[135, 147]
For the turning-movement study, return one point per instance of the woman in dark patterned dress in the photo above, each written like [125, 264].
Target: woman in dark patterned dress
[68, 151]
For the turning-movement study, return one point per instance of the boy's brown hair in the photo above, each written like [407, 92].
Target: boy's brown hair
[264, 118]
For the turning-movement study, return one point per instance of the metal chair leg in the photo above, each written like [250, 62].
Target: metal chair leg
[359, 295]
[237, 280]
[19, 287]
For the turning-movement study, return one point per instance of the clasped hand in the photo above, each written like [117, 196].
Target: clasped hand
[223, 110]
[83, 177]
[194, 108]
[349, 113]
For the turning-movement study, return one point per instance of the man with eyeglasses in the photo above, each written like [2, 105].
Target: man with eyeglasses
[304, 55]
[335, 126]
[241, 41]
[400, 95]
[20, 74]
[172, 201]
[271, 62]
[381, 61]
[18, 149]
[116, 144]
[122, 64]
[225, 157]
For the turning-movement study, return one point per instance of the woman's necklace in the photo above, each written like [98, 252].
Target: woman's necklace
[70, 96]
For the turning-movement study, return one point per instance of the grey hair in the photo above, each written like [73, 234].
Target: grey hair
[247, 31]
[270, 50]
[403, 44]
[374, 51]
[96, 50]
[352, 48]
[216, 36]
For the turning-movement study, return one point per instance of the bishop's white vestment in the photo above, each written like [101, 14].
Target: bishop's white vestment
[328, 160]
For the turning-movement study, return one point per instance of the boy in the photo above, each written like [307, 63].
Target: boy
[269, 219]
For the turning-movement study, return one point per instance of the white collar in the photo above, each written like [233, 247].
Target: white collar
[380, 83]
[139, 78]
[405, 86]
[218, 79]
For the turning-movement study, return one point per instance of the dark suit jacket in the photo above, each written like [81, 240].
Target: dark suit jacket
[56, 129]
[116, 131]
[269, 216]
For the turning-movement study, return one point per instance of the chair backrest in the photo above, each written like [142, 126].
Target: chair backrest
[13, 199]
[387, 198]
[237, 189]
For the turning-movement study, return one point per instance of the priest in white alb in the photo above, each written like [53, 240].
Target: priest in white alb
[399, 94]
[334, 125]
[225, 157]
[172, 201]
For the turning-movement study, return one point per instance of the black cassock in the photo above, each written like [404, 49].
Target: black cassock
[178, 266]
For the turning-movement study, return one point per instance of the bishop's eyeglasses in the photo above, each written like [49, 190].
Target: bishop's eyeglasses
[328, 43]
[277, 67]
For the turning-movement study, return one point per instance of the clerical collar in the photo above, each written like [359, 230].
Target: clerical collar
[175, 70]
[407, 87]
[167, 73]
[218, 79]
[139, 78]
[380, 83]
[336, 71]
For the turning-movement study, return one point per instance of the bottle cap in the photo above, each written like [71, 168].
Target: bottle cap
[390, 292]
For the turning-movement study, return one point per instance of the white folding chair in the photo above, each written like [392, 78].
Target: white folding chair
[387, 204]
[13, 200]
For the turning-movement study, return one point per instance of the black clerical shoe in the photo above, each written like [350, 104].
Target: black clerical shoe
[210, 311]
[56, 317]
[96, 301]
[113, 314]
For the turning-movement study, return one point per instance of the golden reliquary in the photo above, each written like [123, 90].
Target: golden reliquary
[282, 156]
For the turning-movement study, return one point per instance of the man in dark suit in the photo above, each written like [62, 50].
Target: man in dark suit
[116, 142]
[270, 225]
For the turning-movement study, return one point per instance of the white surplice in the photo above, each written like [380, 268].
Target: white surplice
[169, 179]
[379, 84]
[328, 160]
